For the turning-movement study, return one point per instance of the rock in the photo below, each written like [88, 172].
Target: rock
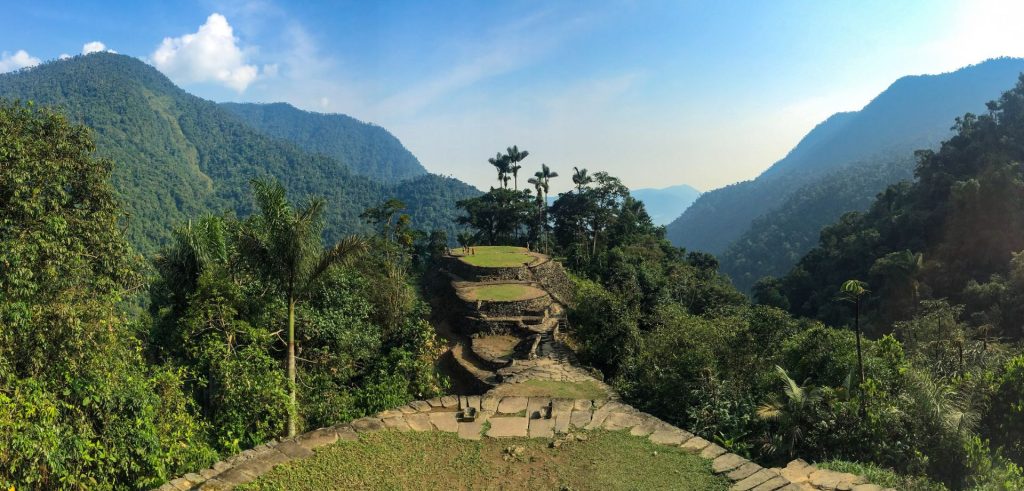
[727, 462]
[508, 426]
[397, 423]
[694, 445]
[421, 406]
[318, 438]
[444, 421]
[754, 480]
[712, 451]
[489, 403]
[293, 450]
[471, 430]
[581, 404]
[771, 484]
[542, 428]
[670, 436]
[621, 421]
[419, 422]
[512, 405]
[744, 471]
[580, 418]
[346, 433]
[449, 402]
[407, 409]
[367, 424]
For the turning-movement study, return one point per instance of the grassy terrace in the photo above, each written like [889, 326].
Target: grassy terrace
[503, 292]
[497, 256]
[390, 460]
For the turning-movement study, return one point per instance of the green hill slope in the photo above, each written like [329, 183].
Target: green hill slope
[367, 149]
[178, 155]
[911, 114]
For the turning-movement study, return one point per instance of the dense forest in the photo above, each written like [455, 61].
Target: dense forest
[95, 394]
[367, 149]
[178, 155]
[920, 404]
[913, 113]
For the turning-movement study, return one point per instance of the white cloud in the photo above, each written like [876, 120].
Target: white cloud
[94, 47]
[64, 56]
[20, 59]
[211, 54]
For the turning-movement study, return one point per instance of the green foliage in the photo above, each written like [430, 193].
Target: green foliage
[367, 149]
[78, 406]
[1005, 420]
[179, 156]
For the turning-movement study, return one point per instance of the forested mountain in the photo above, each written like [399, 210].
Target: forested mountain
[665, 204]
[177, 156]
[778, 239]
[955, 233]
[913, 113]
[367, 149]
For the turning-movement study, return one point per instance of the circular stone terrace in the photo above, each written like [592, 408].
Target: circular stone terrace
[496, 256]
[501, 292]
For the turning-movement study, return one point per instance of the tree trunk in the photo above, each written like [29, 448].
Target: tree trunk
[860, 357]
[293, 406]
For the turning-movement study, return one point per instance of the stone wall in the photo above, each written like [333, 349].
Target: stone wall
[514, 308]
[552, 276]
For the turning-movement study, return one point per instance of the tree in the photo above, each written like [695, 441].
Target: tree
[543, 182]
[497, 215]
[285, 245]
[501, 163]
[581, 179]
[515, 156]
[853, 291]
[793, 412]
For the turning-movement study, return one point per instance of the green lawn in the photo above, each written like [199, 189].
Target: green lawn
[503, 292]
[389, 460]
[497, 256]
[553, 388]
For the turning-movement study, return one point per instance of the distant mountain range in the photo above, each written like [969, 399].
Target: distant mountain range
[177, 156]
[761, 227]
[665, 204]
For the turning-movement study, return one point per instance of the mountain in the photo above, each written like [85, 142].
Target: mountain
[367, 149]
[913, 113]
[177, 155]
[666, 204]
[956, 233]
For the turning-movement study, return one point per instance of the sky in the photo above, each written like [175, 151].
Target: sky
[657, 93]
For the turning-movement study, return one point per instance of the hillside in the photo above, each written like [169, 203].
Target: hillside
[367, 149]
[177, 155]
[913, 113]
[665, 204]
[954, 233]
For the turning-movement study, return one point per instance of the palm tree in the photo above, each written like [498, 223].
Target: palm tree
[792, 412]
[580, 178]
[853, 291]
[501, 162]
[516, 156]
[285, 245]
[542, 179]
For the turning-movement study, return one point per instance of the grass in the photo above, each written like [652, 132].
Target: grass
[553, 388]
[883, 477]
[389, 460]
[497, 257]
[503, 292]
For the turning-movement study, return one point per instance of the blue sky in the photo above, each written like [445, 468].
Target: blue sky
[656, 92]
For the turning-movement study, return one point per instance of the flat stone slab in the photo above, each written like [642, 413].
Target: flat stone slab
[727, 462]
[622, 420]
[471, 430]
[743, 471]
[542, 428]
[505, 427]
[512, 405]
[318, 438]
[712, 451]
[397, 423]
[581, 404]
[670, 436]
[346, 433]
[695, 444]
[363, 425]
[420, 406]
[419, 422]
[445, 421]
[561, 412]
[450, 402]
[771, 484]
[580, 418]
[489, 403]
[293, 450]
[754, 480]
[536, 407]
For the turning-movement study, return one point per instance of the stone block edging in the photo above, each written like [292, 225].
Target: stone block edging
[514, 416]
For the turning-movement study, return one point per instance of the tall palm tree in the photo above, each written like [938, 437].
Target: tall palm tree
[792, 412]
[580, 178]
[853, 291]
[285, 245]
[543, 182]
[516, 156]
[501, 162]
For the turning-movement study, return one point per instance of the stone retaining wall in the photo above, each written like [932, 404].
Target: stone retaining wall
[509, 416]
[552, 276]
[511, 308]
